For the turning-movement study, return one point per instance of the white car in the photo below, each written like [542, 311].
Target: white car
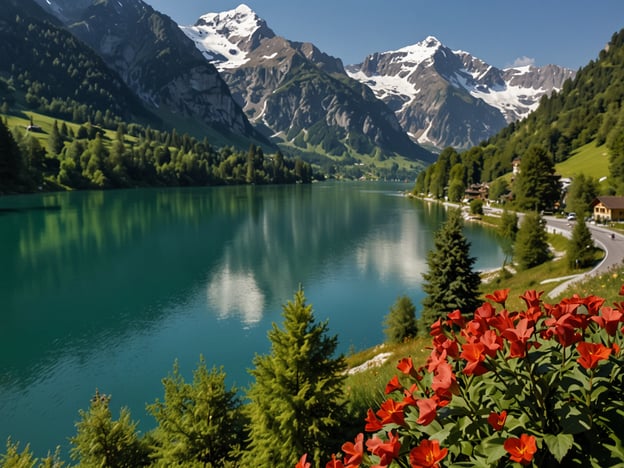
[571, 217]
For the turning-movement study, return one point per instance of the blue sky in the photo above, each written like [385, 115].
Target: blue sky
[501, 32]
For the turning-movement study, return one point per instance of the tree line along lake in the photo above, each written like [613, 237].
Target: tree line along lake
[105, 289]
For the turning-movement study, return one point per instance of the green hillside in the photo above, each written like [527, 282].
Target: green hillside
[590, 159]
[578, 130]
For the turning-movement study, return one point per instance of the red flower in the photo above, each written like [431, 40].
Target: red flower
[518, 337]
[521, 449]
[372, 423]
[334, 463]
[492, 342]
[427, 408]
[407, 367]
[497, 420]
[393, 385]
[591, 354]
[391, 412]
[499, 296]
[354, 452]
[386, 451]
[302, 463]
[608, 319]
[427, 454]
[444, 381]
[443, 343]
[532, 298]
[474, 355]
[622, 290]
[436, 328]
[455, 318]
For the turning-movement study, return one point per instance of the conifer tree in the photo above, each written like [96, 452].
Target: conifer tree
[295, 402]
[401, 321]
[55, 140]
[536, 186]
[100, 441]
[198, 422]
[531, 247]
[580, 253]
[11, 164]
[450, 281]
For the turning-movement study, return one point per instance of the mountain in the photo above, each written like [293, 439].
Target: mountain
[297, 94]
[450, 98]
[51, 70]
[156, 60]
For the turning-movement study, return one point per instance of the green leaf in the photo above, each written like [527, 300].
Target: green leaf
[574, 419]
[559, 444]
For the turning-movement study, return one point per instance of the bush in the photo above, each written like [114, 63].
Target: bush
[542, 386]
[401, 321]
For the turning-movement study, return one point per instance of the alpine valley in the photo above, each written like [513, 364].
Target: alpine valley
[229, 76]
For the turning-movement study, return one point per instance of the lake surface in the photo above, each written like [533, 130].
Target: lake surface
[106, 289]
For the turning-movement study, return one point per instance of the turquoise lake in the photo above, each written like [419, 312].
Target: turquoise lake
[106, 289]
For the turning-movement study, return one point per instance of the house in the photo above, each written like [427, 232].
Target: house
[608, 208]
[476, 191]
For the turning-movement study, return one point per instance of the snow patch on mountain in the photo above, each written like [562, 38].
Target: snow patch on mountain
[221, 36]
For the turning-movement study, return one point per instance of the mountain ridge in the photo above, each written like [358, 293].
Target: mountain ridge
[434, 90]
[297, 93]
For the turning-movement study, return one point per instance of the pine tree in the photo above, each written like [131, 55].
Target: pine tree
[536, 186]
[582, 192]
[11, 164]
[55, 140]
[580, 253]
[100, 441]
[199, 422]
[450, 282]
[531, 247]
[401, 321]
[295, 402]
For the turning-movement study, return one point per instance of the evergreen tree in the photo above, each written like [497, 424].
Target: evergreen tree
[295, 402]
[531, 247]
[100, 441]
[450, 281]
[199, 422]
[401, 321]
[582, 192]
[55, 140]
[536, 186]
[11, 164]
[508, 230]
[580, 253]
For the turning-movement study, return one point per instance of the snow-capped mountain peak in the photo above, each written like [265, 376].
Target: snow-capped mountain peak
[429, 85]
[228, 35]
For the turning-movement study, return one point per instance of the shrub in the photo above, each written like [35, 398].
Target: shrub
[541, 386]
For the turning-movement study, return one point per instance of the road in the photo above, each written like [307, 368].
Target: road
[613, 247]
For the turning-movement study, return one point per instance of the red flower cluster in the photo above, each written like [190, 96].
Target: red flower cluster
[468, 348]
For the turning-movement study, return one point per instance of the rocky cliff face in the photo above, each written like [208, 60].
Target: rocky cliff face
[155, 59]
[296, 93]
[450, 98]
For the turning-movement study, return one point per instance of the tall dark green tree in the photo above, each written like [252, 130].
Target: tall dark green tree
[508, 230]
[536, 186]
[100, 441]
[198, 422]
[450, 281]
[531, 247]
[580, 253]
[400, 323]
[11, 164]
[296, 400]
[581, 193]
